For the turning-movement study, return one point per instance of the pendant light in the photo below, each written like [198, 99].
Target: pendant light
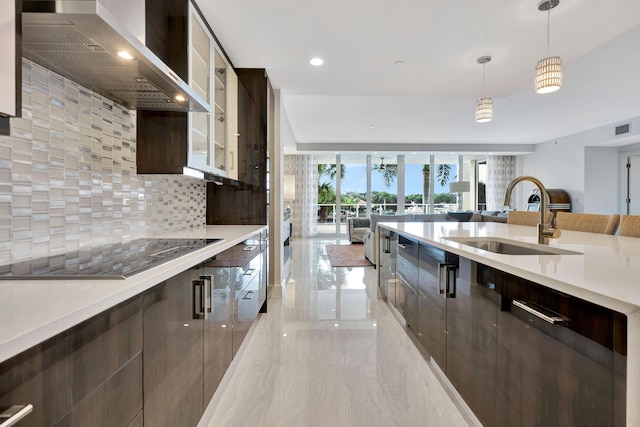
[484, 106]
[549, 69]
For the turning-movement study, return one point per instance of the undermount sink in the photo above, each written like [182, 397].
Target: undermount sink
[509, 247]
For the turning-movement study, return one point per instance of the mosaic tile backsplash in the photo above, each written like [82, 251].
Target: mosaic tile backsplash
[68, 175]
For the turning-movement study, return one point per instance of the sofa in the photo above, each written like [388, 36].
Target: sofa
[366, 227]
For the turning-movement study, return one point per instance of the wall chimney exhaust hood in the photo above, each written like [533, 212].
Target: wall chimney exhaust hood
[82, 39]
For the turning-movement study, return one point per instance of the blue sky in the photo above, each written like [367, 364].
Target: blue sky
[355, 179]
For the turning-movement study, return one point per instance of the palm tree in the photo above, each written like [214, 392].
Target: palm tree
[326, 192]
[443, 174]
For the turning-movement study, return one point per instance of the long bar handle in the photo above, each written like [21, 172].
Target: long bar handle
[448, 289]
[208, 293]
[450, 270]
[386, 248]
[199, 303]
[554, 320]
[14, 414]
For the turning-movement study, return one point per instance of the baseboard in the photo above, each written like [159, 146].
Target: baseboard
[275, 291]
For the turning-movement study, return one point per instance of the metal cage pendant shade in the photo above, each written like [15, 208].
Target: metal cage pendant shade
[484, 106]
[548, 70]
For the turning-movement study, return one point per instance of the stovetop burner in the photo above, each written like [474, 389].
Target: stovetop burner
[115, 261]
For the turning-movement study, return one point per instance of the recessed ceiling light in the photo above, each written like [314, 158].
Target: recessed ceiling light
[316, 62]
[126, 55]
[180, 98]
[372, 126]
[398, 63]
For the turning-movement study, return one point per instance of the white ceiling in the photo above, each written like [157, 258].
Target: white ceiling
[430, 97]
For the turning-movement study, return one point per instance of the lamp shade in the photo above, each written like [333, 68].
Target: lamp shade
[484, 110]
[548, 74]
[289, 187]
[459, 187]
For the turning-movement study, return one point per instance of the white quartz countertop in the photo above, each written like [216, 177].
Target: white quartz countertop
[606, 271]
[32, 311]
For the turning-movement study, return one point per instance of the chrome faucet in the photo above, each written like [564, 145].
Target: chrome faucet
[544, 229]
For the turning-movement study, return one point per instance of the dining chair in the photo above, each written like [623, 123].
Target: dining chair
[590, 223]
[527, 218]
[630, 225]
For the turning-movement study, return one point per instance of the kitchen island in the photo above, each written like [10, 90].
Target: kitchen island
[598, 270]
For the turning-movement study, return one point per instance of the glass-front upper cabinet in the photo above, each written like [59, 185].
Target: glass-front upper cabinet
[210, 147]
[200, 49]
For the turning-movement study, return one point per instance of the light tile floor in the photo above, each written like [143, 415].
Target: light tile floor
[330, 354]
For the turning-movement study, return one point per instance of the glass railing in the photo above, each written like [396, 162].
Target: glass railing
[327, 213]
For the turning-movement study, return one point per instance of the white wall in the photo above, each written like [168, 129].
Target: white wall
[601, 183]
[586, 165]
[625, 153]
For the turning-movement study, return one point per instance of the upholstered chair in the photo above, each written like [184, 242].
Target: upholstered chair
[590, 223]
[630, 225]
[527, 218]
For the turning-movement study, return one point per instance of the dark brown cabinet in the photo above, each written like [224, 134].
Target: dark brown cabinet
[518, 353]
[218, 329]
[173, 350]
[161, 141]
[255, 129]
[88, 375]
[407, 286]
[246, 301]
[167, 142]
[558, 359]
[388, 255]
[255, 114]
[432, 314]
[238, 280]
[471, 340]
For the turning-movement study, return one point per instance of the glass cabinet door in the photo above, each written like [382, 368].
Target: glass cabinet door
[220, 112]
[200, 58]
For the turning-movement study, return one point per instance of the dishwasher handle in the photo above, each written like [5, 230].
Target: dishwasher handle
[539, 312]
[12, 415]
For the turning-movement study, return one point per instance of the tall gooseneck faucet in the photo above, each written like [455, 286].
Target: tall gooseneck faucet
[544, 229]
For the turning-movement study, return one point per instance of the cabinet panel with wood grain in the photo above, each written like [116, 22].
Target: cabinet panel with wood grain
[98, 361]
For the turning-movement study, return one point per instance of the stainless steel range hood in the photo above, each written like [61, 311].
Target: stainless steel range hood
[80, 39]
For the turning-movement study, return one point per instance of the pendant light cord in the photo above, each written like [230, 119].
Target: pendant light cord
[548, 28]
[484, 66]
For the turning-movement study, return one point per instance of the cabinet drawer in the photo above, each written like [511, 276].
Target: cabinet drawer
[62, 372]
[408, 261]
[407, 304]
[117, 402]
[251, 270]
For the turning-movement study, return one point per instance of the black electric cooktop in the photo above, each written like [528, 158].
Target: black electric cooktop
[113, 261]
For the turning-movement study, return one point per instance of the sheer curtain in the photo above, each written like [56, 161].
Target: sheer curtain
[304, 207]
[500, 171]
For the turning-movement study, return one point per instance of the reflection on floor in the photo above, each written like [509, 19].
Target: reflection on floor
[330, 354]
